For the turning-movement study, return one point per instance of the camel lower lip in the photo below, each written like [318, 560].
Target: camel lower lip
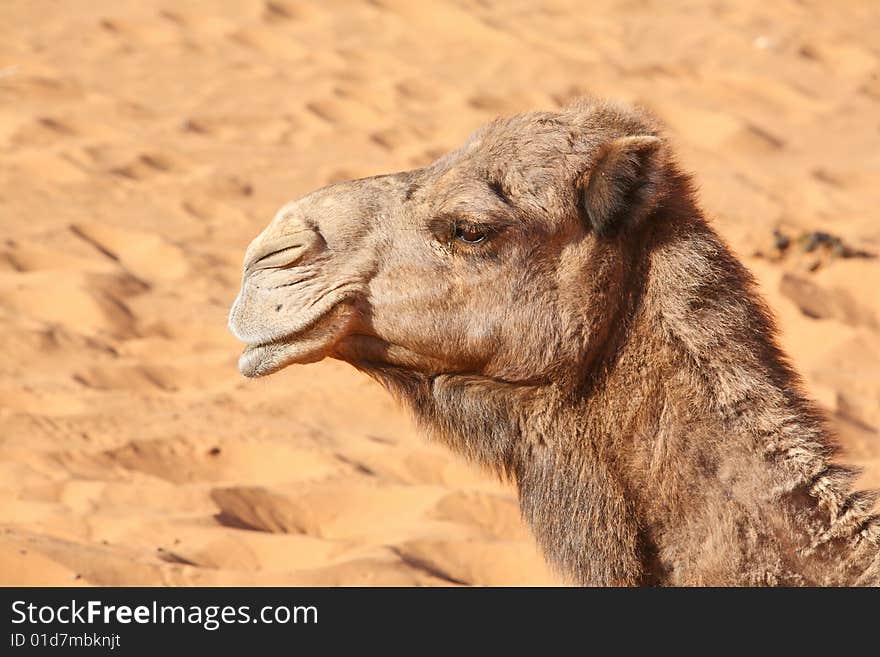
[306, 346]
[263, 359]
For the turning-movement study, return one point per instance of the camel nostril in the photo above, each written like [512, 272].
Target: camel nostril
[277, 258]
[279, 307]
[282, 251]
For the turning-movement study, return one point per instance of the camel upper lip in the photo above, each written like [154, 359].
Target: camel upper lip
[254, 346]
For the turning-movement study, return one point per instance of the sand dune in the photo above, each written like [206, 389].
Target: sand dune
[142, 146]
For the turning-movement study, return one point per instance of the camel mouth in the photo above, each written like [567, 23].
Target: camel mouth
[263, 359]
[309, 345]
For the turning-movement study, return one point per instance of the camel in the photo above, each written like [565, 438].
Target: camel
[551, 303]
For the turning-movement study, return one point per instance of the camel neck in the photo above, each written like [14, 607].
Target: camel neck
[719, 461]
[686, 455]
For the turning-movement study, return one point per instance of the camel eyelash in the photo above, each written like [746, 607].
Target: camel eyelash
[472, 234]
[457, 232]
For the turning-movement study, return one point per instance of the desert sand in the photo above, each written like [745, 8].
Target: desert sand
[144, 144]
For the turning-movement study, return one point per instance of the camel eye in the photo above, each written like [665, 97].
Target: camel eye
[470, 234]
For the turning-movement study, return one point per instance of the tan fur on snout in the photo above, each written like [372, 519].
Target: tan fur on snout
[552, 304]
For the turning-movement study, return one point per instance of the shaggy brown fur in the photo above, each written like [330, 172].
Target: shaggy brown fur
[552, 304]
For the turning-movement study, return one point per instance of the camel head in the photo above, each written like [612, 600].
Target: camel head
[550, 302]
[501, 259]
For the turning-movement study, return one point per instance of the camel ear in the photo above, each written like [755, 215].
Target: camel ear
[621, 185]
